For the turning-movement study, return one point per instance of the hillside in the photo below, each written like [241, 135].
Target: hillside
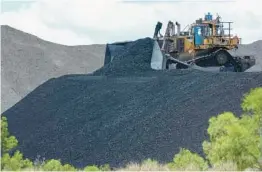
[28, 61]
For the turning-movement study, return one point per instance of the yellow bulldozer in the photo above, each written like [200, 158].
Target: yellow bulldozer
[205, 43]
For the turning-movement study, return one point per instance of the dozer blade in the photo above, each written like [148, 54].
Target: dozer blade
[158, 60]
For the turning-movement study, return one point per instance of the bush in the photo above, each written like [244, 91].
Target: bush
[91, 168]
[236, 139]
[15, 162]
[7, 142]
[55, 165]
[252, 102]
[186, 160]
[225, 166]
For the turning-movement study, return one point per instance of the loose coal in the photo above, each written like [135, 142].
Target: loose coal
[125, 111]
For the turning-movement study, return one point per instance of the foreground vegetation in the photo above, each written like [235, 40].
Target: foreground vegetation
[234, 144]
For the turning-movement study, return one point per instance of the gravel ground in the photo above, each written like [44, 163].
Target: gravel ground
[27, 62]
[124, 112]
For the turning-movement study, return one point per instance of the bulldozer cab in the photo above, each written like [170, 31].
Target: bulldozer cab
[213, 33]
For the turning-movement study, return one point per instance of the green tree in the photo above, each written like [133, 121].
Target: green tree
[237, 142]
[236, 139]
[252, 103]
[7, 142]
[91, 168]
[186, 160]
[55, 165]
[15, 162]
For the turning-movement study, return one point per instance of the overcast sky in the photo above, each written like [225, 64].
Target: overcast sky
[74, 22]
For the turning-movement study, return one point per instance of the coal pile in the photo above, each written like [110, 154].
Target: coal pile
[124, 112]
[28, 61]
[130, 60]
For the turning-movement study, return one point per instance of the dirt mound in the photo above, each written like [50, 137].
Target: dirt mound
[28, 61]
[124, 112]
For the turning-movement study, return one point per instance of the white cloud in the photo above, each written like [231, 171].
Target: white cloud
[100, 21]
[31, 20]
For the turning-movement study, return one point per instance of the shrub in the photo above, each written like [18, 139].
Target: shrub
[68, 167]
[186, 160]
[7, 142]
[225, 166]
[55, 165]
[15, 162]
[252, 102]
[91, 168]
[52, 165]
[236, 139]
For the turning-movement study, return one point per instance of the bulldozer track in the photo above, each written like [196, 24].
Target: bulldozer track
[204, 56]
[233, 60]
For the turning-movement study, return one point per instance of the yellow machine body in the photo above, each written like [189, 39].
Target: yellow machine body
[211, 40]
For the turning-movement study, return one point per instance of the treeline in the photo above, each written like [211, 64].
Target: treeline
[234, 144]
